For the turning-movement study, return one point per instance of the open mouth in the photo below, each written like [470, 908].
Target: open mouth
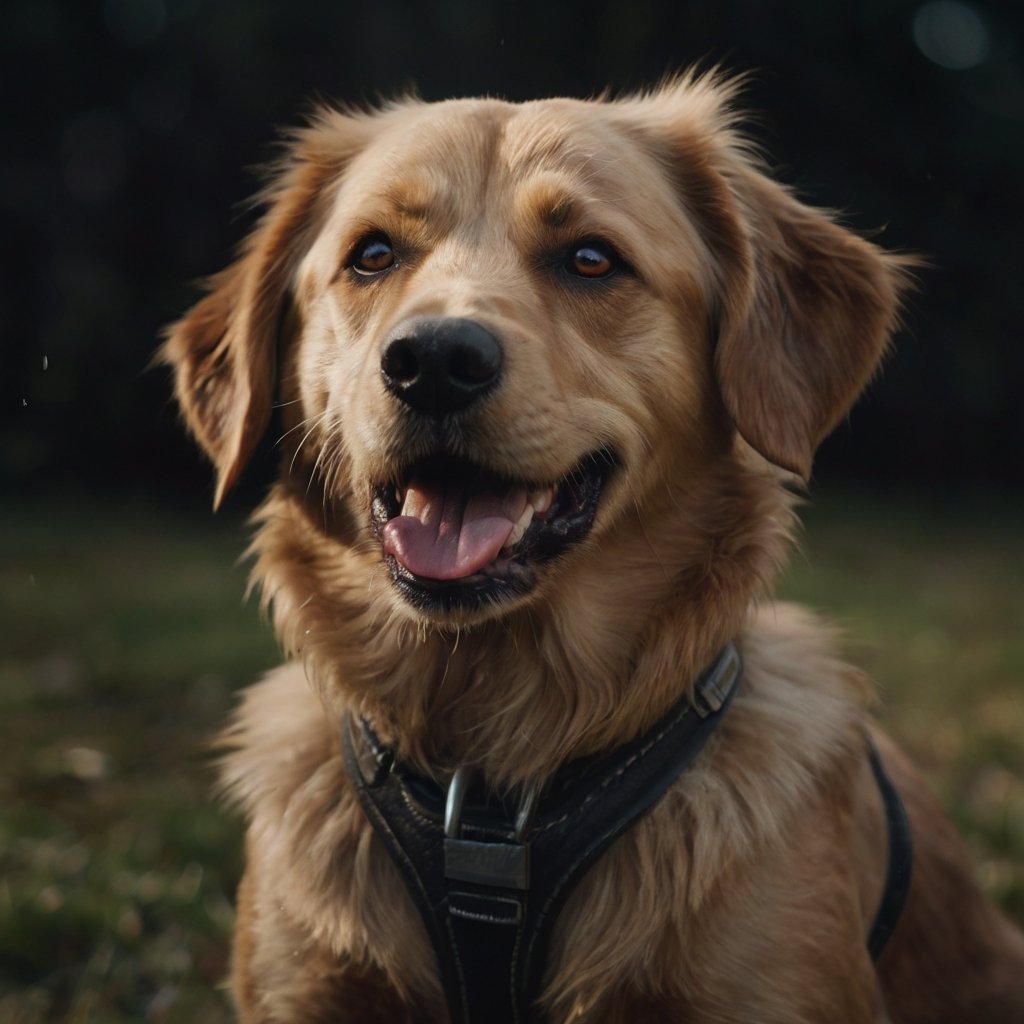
[458, 536]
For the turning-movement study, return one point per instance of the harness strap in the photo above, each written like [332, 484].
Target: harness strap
[901, 858]
[489, 873]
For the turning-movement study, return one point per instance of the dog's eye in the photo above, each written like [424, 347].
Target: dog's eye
[591, 260]
[372, 255]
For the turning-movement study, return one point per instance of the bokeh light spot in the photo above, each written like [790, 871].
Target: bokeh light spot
[952, 35]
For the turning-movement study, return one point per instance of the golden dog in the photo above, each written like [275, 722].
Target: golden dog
[547, 374]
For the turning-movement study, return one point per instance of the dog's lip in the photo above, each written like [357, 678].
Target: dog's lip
[491, 527]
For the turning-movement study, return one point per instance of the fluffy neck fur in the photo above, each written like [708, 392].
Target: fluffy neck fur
[519, 695]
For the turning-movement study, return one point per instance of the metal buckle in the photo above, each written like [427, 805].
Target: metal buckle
[712, 690]
[525, 810]
[498, 865]
[455, 799]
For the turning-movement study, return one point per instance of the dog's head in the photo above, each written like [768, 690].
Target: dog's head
[499, 332]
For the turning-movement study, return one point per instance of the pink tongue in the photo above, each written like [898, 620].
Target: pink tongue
[445, 533]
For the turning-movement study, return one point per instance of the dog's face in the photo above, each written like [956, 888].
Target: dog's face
[505, 332]
[494, 327]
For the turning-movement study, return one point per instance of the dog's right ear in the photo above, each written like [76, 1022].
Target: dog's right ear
[223, 351]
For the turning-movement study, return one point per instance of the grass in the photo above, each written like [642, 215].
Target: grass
[931, 595]
[128, 636]
[128, 639]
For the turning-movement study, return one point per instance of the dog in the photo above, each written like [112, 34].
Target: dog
[548, 378]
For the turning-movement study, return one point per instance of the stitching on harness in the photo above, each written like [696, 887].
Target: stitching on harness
[609, 779]
[470, 915]
[642, 752]
[460, 973]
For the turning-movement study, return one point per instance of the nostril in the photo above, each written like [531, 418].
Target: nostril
[399, 362]
[475, 362]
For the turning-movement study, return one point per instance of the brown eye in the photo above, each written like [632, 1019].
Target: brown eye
[373, 255]
[591, 260]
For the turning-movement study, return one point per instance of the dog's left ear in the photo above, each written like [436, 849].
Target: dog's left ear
[803, 308]
[223, 351]
[805, 313]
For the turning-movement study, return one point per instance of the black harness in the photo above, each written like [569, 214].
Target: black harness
[901, 858]
[489, 872]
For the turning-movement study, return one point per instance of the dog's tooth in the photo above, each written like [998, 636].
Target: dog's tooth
[415, 503]
[520, 528]
[540, 501]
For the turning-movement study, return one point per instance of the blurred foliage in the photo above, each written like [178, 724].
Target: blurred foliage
[129, 126]
[127, 638]
[930, 598]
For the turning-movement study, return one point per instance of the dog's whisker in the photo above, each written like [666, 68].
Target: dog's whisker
[312, 429]
[291, 430]
[658, 561]
[321, 465]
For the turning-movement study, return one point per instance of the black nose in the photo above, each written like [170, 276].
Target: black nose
[439, 365]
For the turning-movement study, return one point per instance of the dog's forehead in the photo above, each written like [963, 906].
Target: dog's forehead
[492, 170]
[464, 155]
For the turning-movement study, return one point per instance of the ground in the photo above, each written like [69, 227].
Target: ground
[125, 637]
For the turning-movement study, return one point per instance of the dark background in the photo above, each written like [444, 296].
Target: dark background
[132, 127]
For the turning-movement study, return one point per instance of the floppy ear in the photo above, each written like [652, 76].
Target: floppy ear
[804, 318]
[223, 351]
[803, 307]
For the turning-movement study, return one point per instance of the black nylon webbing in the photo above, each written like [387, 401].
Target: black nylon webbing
[901, 858]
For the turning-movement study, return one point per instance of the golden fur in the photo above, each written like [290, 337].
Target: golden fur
[743, 330]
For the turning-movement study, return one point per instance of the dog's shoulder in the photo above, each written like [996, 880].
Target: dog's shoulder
[794, 670]
[280, 736]
[802, 711]
[317, 856]
[794, 738]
